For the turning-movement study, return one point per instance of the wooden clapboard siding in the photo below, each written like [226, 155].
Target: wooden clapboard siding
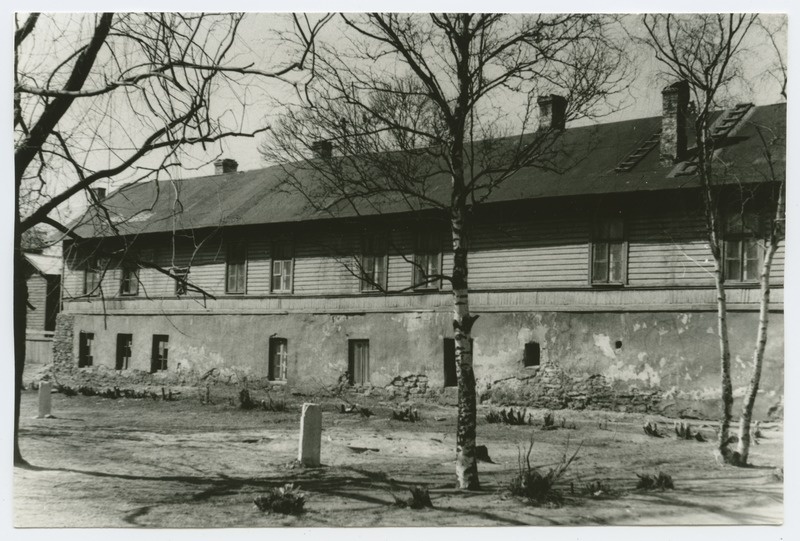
[537, 253]
[322, 260]
[777, 274]
[37, 297]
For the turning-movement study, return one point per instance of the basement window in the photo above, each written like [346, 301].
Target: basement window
[278, 359]
[532, 354]
[158, 361]
[85, 347]
[358, 362]
[124, 346]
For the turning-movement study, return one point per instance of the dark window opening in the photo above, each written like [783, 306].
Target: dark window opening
[181, 280]
[124, 343]
[236, 268]
[450, 368]
[85, 346]
[129, 285]
[278, 359]
[358, 362]
[618, 344]
[532, 355]
[160, 354]
[608, 251]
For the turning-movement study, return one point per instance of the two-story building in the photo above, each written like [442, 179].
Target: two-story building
[593, 284]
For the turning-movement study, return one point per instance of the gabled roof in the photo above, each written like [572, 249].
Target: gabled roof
[594, 154]
[46, 265]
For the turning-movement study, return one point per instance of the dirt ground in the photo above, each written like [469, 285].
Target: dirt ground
[150, 463]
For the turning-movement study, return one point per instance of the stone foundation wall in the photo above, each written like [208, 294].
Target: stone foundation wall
[552, 388]
[408, 385]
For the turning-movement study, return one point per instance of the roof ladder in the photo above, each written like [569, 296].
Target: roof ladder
[725, 123]
[637, 155]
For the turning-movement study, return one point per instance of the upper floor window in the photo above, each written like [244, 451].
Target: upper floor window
[181, 275]
[236, 268]
[129, 283]
[282, 264]
[742, 252]
[427, 261]
[373, 263]
[608, 251]
[93, 274]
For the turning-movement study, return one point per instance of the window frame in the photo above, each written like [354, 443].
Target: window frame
[123, 279]
[274, 344]
[603, 221]
[352, 345]
[375, 247]
[284, 248]
[163, 361]
[85, 347]
[744, 238]
[122, 362]
[181, 279]
[231, 262]
[95, 267]
[422, 249]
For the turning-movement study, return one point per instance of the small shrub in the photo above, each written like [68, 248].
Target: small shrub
[509, 416]
[67, 391]
[406, 414]
[420, 499]
[661, 481]
[287, 500]
[538, 488]
[548, 421]
[651, 429]
[597, 489]
[246, 401]
[87, 391]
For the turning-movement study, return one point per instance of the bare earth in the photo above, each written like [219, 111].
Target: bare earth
[128, 463]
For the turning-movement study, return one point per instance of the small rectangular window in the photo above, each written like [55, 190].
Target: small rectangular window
[181, 275]
[129, 284]
[532, 354]
[608, 251]
[160, 353]
[278, 359]
[93, 274]
[358, 362]
[743, 254]
[124, 346]
[427, 261]
[236, 268]
[85, 349]
[282, 263]
[373, 262]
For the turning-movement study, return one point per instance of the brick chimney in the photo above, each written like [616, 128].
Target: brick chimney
[225, 165]
[675, 100]
[322, 149]
[552, 112]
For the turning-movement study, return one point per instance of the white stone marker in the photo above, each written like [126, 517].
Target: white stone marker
[310, 435]
[44, 400]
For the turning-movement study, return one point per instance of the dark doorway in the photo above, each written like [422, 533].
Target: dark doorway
[85, 343]
[358, 362]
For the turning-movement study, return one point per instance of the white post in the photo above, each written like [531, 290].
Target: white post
[310, 435]
[44, 400]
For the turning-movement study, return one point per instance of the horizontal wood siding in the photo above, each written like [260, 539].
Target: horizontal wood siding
[539, 253]
[667, 248]
[322, 262]
[37, 297]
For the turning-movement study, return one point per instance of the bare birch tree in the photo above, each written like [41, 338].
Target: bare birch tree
[97, 96]
[436, 111]
[706, 51]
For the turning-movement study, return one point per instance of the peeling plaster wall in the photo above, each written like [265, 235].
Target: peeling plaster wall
[667, 357]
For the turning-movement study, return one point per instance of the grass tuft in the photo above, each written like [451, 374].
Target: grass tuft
[660, 481]
[287, 500]
[406, 414]
[533, 485]
[420, 499]
[509, 416]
